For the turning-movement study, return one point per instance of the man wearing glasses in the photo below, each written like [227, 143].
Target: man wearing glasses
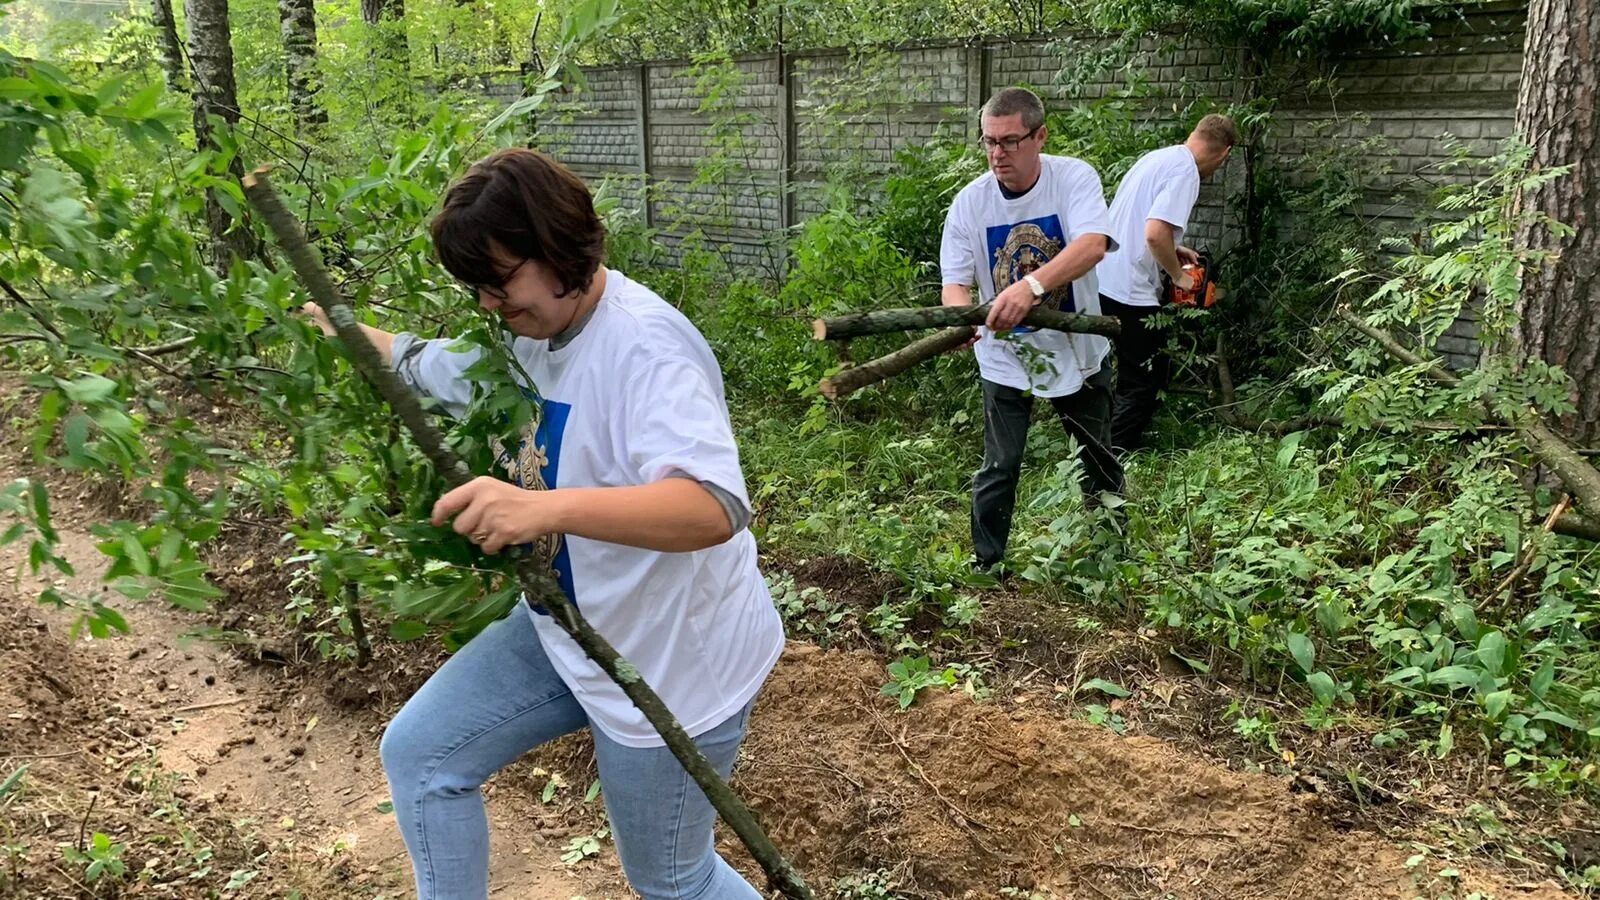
[1148, 218]
[1028, 232]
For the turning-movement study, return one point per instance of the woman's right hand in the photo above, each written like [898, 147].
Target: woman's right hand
[319, 317]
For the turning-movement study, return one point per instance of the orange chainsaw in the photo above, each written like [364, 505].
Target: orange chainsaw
[1204, 293]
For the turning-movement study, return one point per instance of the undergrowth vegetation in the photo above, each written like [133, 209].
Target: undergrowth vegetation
[1395, 576]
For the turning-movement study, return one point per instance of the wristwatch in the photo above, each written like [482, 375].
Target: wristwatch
[1034, 285]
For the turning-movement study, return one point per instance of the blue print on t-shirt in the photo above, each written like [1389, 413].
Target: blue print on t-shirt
[545, 452]
[1023, 247]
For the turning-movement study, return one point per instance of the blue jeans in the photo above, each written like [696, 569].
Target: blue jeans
[495, 700]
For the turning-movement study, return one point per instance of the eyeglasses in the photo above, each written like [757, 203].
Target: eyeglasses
[1009, 144]
[497, 291]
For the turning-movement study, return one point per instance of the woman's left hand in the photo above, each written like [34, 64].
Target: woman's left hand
[495, 515]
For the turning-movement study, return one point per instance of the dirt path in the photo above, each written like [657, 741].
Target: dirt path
[226, 741]
[954, 798]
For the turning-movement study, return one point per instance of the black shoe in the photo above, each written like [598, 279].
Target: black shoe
[999, 571]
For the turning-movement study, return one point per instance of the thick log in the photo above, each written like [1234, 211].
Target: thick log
[1551, 449]
[882, 321]
[1575, 525]
[855, 378]
[536, 579]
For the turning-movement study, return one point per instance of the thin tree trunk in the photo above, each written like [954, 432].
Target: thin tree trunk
[1559, 310]
[375, 11]
[171, 48]
[855, 378]
[216, 95]
[390, 50]
[298, 20]
[882, 321]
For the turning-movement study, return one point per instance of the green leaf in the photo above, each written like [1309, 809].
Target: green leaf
[1544, 678]
[1447, 740]
[11, 782]
[144, 103]
[185, 585]
[17, 89]
[407, 629]
[40, 495]
[386, 807]
[1465, 619]
[1455, 676]
[132, 588]
[1565, 721]
[1106, 687]
[108, 616]
[1494, 705]
[1492, 651]
[1303, 651]
[1288, 446]
[1323, 687]
[135, 554]
[75, 435]
[89, 389]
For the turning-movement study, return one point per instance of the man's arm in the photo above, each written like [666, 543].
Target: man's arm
[956, 295]
[1068, 266]
[1158, 237]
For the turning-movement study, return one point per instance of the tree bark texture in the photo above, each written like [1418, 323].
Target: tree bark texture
[375, 11]
[855, 378]
[1557, 113]
[535, 578]
[171, 48]
[298, 21]
[883, 321]
[215, 94]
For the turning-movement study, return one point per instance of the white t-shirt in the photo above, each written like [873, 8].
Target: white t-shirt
[1163, 185]
[636, 397]
[994, 241]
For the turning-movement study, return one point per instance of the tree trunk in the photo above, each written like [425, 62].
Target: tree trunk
[1557, 114]
[388, 17]
[298, 19]
[216, 94]
[171, 47]
[375, 11]
[855, 378]
[882, 321]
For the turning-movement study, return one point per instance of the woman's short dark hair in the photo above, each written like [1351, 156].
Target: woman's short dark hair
[530, 205]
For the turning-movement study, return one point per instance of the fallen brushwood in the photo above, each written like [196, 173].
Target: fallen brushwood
[883, 321]
[854, 378]
[536, 579]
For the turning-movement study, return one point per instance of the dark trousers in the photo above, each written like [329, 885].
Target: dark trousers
[1143, 371]
[1086, 415]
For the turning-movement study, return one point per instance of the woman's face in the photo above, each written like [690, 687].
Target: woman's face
[530, 299]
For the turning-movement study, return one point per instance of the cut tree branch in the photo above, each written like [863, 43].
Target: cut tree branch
[854, 378]
[882, 321]
[535, 579]
[1551, 449]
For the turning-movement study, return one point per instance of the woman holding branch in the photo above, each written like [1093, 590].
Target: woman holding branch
[646, 494]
